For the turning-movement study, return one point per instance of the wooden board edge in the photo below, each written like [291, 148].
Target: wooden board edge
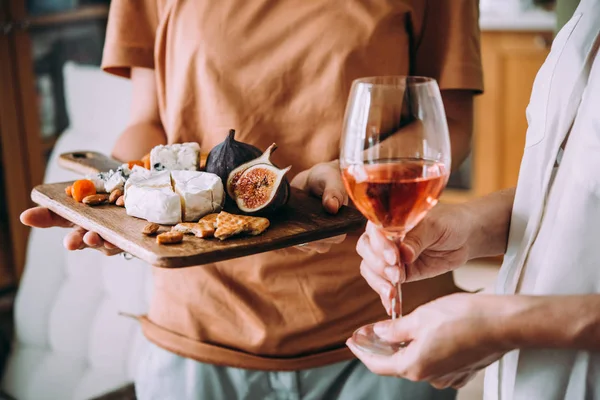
[290, 241]
[191, 261]
[86, 162]
[63, 211]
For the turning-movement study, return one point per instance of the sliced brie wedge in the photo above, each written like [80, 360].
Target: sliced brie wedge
[150, 196]
[154, 204]
[170, 197]
[201, 193]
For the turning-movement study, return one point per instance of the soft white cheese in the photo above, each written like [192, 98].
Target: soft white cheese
[98, 180]
[170, 197]
[125, 171]
[149, 195]
[201, 193]
[144, 177]
[106, 182]
[154, 204]
[115, 181]
[174, 157]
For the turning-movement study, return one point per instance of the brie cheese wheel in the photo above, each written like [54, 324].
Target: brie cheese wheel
[170, 197]
[174, 157]
[201, 193]
[144, 177]
[154, 204]
[149, 195]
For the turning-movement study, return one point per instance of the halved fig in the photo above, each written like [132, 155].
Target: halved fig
[261, 189]
[234, 175]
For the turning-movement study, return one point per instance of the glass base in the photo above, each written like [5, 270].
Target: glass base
[368, 341]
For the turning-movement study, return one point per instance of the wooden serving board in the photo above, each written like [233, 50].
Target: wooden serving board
[303, 220]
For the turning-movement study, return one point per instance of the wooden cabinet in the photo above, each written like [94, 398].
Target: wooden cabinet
[510, 63]
[33, 49]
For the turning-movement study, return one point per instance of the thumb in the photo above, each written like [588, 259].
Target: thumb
[417, 241]
[396, 330]
[326, 182]
[40, 217]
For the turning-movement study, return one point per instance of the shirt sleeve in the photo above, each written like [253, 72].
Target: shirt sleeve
[448, 47]
[130, 36]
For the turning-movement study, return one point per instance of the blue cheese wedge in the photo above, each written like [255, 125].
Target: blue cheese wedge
[201, 193]
[106, 182]
[98, 180]
[115, 181]
[176, 157]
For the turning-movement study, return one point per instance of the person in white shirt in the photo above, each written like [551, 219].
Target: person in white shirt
[540, 335]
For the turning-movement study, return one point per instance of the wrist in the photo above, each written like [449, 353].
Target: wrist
[562, 322]
[477, 239]
[490, 222]
[512, 321]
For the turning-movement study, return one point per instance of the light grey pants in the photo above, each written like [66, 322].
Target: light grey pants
[167, 376]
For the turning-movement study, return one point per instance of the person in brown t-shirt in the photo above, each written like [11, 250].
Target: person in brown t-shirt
[279, 71]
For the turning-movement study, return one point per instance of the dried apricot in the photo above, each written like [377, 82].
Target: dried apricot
[139, 163]
[68, 190]
[82, 188]
[146, 161]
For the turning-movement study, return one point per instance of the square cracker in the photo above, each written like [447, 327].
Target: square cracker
[210, 219]
[205, 228]
[256, 225]
[184, 227]
[230, 224]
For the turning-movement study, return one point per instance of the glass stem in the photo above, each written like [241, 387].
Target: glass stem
[397, 299]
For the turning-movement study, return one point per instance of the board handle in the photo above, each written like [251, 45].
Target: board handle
[87, 162]
[91, 162]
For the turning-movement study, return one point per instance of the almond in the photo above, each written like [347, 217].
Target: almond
[95, 199]
[114, 196]
[169, 238]
[120, 201]
[68, 191]
[150, 229]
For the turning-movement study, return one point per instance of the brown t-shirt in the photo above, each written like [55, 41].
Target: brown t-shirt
[280, 71]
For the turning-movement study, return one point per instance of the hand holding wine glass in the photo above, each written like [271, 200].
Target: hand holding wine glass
[395, 160]
[438, 244]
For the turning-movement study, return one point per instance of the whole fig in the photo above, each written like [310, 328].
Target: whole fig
[228, 155]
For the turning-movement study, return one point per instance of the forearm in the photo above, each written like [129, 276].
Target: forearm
[145, 129]
[458, 105]
[460, 138]
[137, 140]
[490, 223]
[562, 322]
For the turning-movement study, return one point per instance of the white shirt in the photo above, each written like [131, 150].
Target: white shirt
[554, 240]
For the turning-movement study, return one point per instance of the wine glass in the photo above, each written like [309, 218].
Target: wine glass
[395, 161]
